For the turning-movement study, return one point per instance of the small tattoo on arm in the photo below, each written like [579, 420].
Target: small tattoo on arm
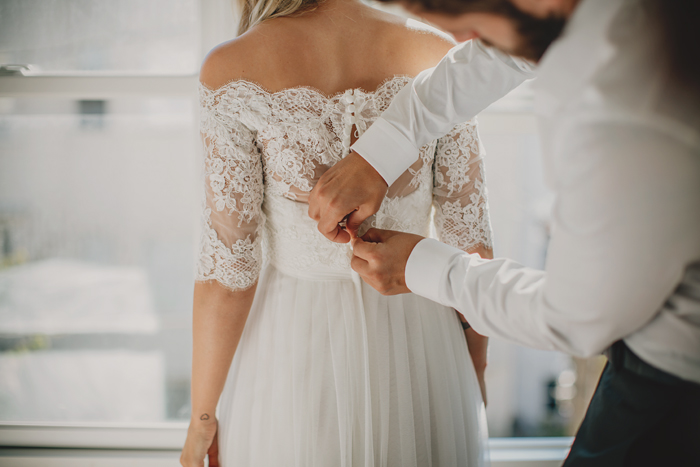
[204, 417]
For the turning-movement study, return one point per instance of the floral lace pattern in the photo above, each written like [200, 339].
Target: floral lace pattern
[264, 152]
[461, 205]
[236, 267]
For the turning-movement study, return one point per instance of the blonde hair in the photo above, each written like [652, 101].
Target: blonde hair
[254, 12]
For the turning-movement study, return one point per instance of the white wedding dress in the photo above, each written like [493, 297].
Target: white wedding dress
[328, 372]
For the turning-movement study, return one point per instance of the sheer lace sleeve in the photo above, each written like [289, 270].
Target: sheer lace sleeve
[459, 190]
[230, 250]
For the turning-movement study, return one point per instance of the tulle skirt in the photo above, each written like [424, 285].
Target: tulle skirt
[331, 373]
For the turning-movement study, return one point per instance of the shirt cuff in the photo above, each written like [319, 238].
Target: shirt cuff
[427, 266]
[386, 149]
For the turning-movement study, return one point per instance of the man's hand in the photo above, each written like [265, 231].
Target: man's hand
[352, 189]
[380, 258]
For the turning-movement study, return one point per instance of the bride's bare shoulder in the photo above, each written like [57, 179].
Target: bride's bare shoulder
[310, 50]
[431, 35]
[418, 43]
[239, 58]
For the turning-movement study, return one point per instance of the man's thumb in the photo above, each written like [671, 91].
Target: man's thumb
[356, 218]
[375, 235]
[362, 249]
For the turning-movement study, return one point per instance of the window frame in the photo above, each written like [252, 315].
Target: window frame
[143, 442]
[95, 86]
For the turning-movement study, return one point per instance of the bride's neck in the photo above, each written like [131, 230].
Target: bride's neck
[331, 7]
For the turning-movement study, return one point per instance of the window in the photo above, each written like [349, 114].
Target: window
[98, 200]
[98, 209]
[120, 36]
[99, 204]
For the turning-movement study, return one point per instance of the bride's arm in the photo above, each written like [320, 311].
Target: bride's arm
[461, 213]
[229, 262]
[477, 344]
[219, 317]
[459, 192]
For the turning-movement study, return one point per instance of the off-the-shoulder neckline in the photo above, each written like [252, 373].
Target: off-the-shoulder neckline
[312, 89]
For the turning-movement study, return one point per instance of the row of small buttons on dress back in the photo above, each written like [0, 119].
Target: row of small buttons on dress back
[349, 120]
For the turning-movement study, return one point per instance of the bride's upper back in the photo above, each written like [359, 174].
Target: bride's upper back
[356, 57]
[339, 45]
[267, 143]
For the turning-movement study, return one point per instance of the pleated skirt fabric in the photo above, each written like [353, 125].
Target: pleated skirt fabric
[331, 373]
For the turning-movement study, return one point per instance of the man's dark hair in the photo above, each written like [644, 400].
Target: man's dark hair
[677, 20]
[536, 33]
[680, 32]
[456, 6]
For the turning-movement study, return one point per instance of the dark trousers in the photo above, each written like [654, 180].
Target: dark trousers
[639, 416]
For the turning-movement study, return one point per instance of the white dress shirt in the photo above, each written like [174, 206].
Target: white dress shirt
[466, 81]
[622, 154]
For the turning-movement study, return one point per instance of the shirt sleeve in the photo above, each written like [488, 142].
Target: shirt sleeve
[459, 190]
[467, 80]
[624, 228]
[232, 218]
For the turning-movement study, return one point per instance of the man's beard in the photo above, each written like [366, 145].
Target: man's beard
[535, 34]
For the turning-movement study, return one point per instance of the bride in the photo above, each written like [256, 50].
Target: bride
[308, 365]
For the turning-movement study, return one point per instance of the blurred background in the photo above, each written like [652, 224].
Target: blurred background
[99, 205]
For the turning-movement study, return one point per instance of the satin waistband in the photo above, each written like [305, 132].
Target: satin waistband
[317, 273]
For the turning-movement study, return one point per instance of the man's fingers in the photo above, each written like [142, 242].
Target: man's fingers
[330, 229]
[314, 211]
[352, 188]
[365, 250]
[316, 198]
[376, 235]
[342, 236]
[357, 217]
[338, 235]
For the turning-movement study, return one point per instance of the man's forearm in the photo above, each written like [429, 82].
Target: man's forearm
[466, 81]
[497, 297]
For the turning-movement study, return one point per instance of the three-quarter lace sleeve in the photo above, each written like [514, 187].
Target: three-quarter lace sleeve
[459, 190]
[232, 218]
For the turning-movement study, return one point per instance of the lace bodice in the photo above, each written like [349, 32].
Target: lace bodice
[264, 152]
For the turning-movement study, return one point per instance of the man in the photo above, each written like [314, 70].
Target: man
[619, 122]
